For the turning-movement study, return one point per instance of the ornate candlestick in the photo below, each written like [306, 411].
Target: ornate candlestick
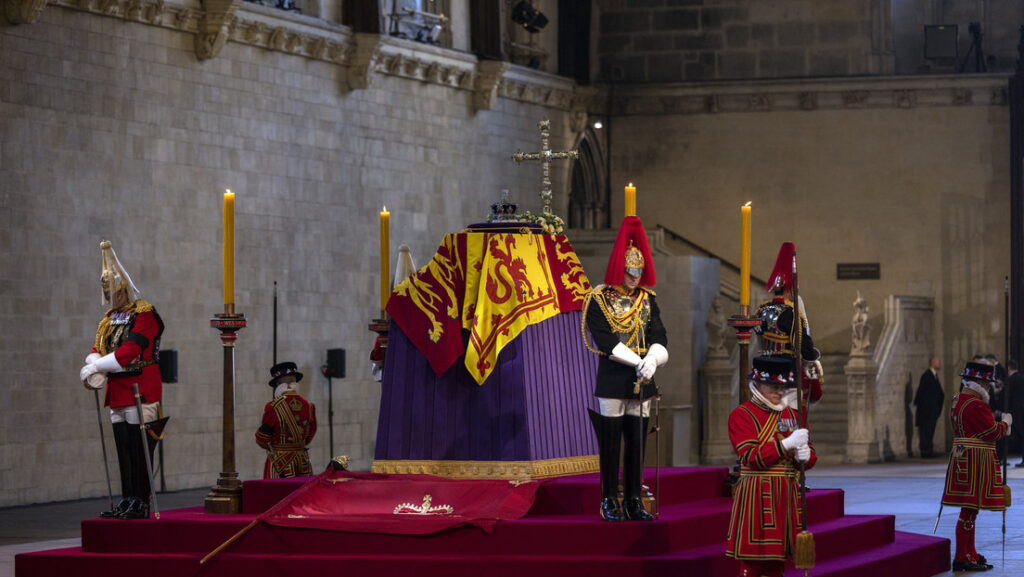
[380, 326]
[744, 325]
[226, 494]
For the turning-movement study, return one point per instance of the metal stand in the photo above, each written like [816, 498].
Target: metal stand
[744, 325]
[226, 494]
[330, 414]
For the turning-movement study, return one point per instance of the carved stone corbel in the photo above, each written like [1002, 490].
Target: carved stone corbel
[488, 78]
[578, 106]
[23, 11]
[362, 60]
[214, 27]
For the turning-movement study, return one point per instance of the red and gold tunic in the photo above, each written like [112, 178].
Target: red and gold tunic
[289, 423]
[765, 508]
[132, 333]
[973, 477]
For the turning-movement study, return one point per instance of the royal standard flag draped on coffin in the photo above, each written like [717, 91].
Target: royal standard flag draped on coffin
[491, 284]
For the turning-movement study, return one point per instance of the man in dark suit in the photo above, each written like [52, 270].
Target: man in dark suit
[928, 401]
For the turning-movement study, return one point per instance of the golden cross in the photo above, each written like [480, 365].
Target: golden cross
[545, 156]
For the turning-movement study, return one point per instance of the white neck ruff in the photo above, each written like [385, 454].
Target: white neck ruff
[977, 389]
[759, 397]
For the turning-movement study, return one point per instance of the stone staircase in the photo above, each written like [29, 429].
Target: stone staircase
[828, 417]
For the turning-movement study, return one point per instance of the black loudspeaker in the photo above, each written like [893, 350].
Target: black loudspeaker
[169, 366]
[335, 363]
[941, 42]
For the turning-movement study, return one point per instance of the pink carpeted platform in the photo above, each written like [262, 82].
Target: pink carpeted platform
[561, 535]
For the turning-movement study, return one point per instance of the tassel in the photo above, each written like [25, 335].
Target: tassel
[803, 555]
[1006, 495]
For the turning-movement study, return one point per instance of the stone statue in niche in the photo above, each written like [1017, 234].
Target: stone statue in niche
[861, 327]
[715, 327]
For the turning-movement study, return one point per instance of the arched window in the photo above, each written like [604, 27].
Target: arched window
[588, 197]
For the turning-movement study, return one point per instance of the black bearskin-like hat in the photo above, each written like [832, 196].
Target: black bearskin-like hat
[776, 370]
[281, 370]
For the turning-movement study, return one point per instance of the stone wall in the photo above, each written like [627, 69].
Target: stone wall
[911, 174]
[655, 41]
[694, 40]
[111, 129]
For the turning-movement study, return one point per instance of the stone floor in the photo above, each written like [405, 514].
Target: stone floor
[908, 489]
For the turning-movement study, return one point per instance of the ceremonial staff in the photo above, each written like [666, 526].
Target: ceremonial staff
[1006, 405]
[103, 445]
[803, 552]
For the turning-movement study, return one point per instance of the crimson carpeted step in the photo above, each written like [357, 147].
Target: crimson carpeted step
[909, 555]
[680, 526]
[834, 538]
[582, 493]
[262, 494]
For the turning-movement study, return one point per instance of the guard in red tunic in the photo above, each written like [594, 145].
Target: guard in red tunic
[289, 424]
[623, 318]
[768, 440]
[778, 331]
[973, 478]
[126, 352]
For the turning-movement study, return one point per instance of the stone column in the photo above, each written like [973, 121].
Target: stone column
[719, 380]
[861, 375]
[719, 376]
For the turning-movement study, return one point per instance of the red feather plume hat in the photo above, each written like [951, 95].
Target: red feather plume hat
[631, 234]
[782, 274]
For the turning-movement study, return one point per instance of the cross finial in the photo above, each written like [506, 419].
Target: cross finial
[545, 156]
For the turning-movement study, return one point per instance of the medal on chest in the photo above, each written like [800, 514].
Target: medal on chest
[788, 425]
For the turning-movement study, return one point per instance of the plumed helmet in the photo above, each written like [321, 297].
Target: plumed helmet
[777, 370]
[632, 252]
[113, 277]
[781, 278]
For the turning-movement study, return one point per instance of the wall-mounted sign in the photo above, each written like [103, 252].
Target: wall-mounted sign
[858, 271]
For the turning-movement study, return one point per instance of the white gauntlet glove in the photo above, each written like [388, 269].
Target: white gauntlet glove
[646, 368]
[803, 453]
[1008, 419]
[797, 438]
[625, 355]
[104, 365]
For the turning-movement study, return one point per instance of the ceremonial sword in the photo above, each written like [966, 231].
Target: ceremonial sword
[143, 427]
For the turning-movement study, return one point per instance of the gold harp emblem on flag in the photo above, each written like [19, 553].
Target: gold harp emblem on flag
[424, 509]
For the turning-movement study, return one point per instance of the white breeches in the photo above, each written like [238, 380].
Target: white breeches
[131, 415]
[620, 407]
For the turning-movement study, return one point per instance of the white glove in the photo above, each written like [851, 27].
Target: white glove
[813, 369]
[803, 453]
[623, 354]
[795, 439]
[87, 371]
[92, 358]
[658, 354]
[646, 368]
[106, 364]
[1008, 419]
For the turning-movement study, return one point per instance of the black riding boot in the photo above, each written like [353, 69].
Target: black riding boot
[121, 448]
[609, 440]
[634, 430]
[139, 507]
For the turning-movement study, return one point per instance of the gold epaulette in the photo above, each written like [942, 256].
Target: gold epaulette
[142, 306]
